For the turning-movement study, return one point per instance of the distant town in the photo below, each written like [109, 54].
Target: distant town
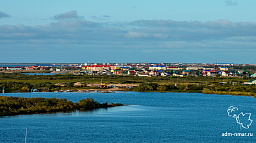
[139, 69]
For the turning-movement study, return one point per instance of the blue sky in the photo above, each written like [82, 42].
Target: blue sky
[128, 31]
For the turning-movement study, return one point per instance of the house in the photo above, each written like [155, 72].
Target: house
[139, 71]
[186, 72]
[29, 68]
[131, 72]
[118, 72]
[153, 73]
[212, 73]
[44, 68]
[225, 73]
[205, 72]
[251, 82]
[166, 74]
[21, 67]
[35, 67]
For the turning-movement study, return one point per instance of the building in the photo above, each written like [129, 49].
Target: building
[177, 75]
[131, 72]
[186, 72]
[225, 73]
[29, 68]
[223, 68]
[98, 67]
[225, 64]
[157, 67]
[212, 73]
[253, 75]
[194, 68]
[210, 69]
[173, 68]
[142, 74]
[13, 68]
[153, 73]
[251, 82]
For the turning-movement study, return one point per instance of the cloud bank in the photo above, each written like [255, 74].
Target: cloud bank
[2, 14]
[230, 3]
[156, 30]
[220, 40]
[67, 15]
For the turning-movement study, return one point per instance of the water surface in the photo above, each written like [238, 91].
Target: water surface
[150, 117]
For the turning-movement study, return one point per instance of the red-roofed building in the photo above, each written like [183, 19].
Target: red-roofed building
[29, 68]
[212, 73]
[131, 72]
[44, 68]
[173, 68]
[98, 67]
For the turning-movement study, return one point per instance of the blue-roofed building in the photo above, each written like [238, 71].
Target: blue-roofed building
[125, 68]
[186, 72]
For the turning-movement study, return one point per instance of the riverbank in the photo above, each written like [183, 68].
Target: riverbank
[11, 83]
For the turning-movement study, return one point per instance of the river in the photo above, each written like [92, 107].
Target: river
[150, 117]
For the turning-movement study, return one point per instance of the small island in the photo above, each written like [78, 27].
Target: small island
[19, 105]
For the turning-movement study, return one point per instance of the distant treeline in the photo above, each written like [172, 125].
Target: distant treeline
[20, 105]
[227, 88]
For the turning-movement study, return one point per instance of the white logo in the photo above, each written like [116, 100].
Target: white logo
[244, 119]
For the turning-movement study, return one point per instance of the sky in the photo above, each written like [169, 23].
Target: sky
[118, 31]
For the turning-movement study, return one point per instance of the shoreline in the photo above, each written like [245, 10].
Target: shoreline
[114, 90]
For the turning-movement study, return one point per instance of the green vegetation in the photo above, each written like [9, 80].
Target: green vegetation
[17, 82]
[245, 90]
[19, 105]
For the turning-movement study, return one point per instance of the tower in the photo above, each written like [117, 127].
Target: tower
[216, 67]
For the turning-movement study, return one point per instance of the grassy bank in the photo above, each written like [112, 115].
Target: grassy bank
[18, 82]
